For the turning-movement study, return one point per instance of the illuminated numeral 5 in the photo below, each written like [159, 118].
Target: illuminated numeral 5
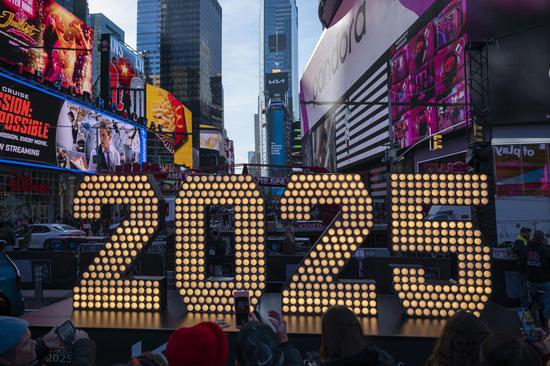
[197, 193]
[315, 285]
[104, 285]
[411, 232]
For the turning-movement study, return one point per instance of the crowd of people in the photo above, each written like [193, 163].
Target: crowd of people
[465, 341]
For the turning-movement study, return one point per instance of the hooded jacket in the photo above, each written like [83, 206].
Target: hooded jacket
[534, 262]
[370, 356]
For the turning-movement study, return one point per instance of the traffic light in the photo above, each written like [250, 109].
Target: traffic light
[436, 142]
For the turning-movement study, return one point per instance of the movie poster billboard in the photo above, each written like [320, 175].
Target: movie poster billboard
[428, 77]
[122, 77]
[172, 123]
[43, 36]
[41, 128]
[90, 141]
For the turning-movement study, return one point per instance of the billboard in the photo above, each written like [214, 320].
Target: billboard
[169, 117]
[43, 36]
[276, 124]
[41, 128]
[349, 48]
[211, 140]
[428, 77]
[230, 156]
[122, 77]
[276, 83]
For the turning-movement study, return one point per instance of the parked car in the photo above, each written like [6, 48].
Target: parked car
[41, 232]
[11, 298]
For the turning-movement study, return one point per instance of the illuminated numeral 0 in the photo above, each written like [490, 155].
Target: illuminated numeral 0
[197, 193]
[103, 285]
[315, 285]
[412, 233]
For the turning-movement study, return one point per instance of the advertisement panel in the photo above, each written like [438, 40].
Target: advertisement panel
[43, 36]
[349, 48]
[41, 128]
[522, 170]
[276, 118]
[122, 77]
[211, 140]
[169, 117]
[428, 77]
[276, 83]
[230, 156]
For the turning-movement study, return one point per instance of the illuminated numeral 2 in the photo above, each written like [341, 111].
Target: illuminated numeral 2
[103, 285]
[315, 285]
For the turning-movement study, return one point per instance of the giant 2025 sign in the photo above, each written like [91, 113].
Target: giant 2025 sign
[315, 285]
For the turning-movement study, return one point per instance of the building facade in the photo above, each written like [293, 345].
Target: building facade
[278, 55]
[148, 37]
[79, 8]
[191, 60]
[101, 25]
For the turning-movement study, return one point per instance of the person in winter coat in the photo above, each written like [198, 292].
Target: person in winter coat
[460, 342]
[343, 342]
[17, 348]
[534, 263]
[258, 344]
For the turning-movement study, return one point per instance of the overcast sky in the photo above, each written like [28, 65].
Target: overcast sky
[240, 56]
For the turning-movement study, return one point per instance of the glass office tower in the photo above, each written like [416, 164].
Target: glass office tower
[278, 54]
[148, 37]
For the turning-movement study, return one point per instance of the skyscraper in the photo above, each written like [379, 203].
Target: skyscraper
[191, 60]
[278, 104]
[101, 25]
[148, 37]
[77, 7]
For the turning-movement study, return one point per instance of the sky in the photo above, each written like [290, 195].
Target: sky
[240, 56]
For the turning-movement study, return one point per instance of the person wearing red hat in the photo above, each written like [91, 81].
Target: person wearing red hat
[204, 344]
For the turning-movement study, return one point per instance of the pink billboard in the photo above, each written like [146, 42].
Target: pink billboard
[427, 77]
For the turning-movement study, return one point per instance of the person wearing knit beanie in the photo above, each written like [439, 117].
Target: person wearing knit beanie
[204, 344]
[17, 348]
[16, 345]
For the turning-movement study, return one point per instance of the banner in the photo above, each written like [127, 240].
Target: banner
[41, 128]
[43, 36]
[173, 123]
[122, 77]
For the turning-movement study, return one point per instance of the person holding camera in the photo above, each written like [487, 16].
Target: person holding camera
[17, 348]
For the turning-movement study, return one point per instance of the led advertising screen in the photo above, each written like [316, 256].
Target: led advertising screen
[173, 123]
[211, 140]
[43, 36]
[123, 77]
[41, 128]
[276, 120]
[427, 77]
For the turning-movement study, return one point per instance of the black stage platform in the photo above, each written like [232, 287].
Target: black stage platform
[118, 334]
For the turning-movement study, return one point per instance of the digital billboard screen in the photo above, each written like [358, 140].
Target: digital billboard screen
[123, 77]
[41, 128]
[173, 123]
[43, 36]
[428, 77]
